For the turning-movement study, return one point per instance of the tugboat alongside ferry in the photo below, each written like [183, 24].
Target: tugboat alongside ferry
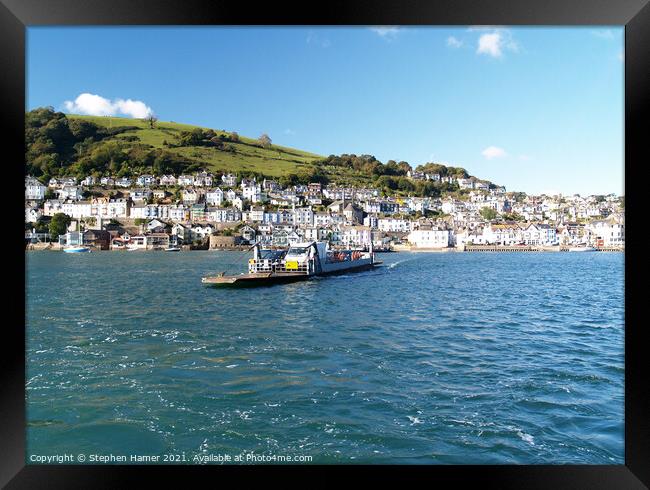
[300, 262]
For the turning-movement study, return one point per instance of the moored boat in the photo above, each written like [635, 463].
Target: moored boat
[582, 248]
[72, 250]
[172, 249]
[299, 262]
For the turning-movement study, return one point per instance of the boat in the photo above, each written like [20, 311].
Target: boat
[132, 248]
[301, 261]
[172, 249]
[582, 248]
[73, 250]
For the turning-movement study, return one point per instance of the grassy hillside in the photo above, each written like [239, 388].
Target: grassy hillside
[275, 161]
[60, 144]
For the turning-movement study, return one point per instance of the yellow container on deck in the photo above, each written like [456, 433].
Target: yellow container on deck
[291, 265]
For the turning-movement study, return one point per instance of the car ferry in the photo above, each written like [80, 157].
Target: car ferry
[299, 262]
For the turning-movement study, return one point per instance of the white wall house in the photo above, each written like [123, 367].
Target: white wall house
[214, 197]
[430, 237]
[34, 190]
[355, 236]
[229, 180]
[393, 224]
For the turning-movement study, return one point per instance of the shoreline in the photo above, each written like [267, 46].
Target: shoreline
[58, 248]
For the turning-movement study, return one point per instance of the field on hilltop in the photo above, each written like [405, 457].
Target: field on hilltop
[248, 156]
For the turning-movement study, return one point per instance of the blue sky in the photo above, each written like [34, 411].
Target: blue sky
[534, 109]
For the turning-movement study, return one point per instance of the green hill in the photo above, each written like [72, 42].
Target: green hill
[245, 155]
[60, 144]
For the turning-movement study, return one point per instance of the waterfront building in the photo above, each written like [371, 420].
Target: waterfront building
[609, 232]
[356, 236]
[427, 236]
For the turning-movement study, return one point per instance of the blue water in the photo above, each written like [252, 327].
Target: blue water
[439, 358]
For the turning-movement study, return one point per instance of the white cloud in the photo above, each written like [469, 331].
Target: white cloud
[453, 42]
[90, 104]
[493, 152]
[387, 32]
[290, 132]
[490, 44]
[96, 105]
[524, 158]
[495, 42]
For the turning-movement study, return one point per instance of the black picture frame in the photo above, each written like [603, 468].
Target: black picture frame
[15, 15]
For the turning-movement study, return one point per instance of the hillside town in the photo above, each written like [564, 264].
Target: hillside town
[205, 210]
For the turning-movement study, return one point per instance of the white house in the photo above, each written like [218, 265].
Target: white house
[71, 192]
[110, 208]
[538, 234]
[140, 195]
[214, 197]
[124, 182]
[502, 234]
[167, 180]
[430, 237]
[32, 214]
[185, 180]
[256, 214]
[356, 236]
[303, 216]
[230, 195]
[89, 180]
[611, 231]
[189, 196]
[393, 224]
[203, 179]
[179, 212]
[34, 190]
[229, 180]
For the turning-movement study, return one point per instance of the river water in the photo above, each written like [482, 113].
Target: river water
[435, 358]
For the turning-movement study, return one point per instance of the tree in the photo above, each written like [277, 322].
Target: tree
[59, 224]
[488, 213]
[152, 120]
[234, 137]
[264, 140]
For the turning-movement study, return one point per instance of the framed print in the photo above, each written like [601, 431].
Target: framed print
[387, 240]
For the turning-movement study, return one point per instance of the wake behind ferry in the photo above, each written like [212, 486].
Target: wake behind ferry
[298, 263]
